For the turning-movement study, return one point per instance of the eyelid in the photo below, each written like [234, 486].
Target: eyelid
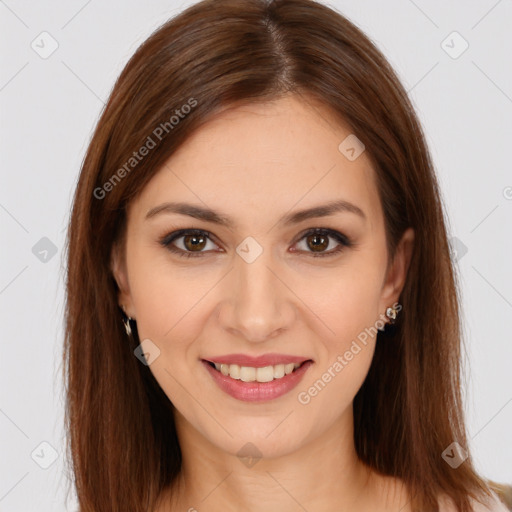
[178, 233]
[343, 241]
[333, 233]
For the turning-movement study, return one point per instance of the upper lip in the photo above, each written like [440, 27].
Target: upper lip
[259, 361]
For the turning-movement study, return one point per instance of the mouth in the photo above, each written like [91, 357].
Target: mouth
[260, 374]
[257, 384]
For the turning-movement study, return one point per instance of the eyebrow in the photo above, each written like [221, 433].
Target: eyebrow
[205, 214]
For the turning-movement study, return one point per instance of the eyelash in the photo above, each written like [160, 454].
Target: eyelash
[167, 240]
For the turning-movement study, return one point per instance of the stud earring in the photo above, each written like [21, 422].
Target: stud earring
[392, 313]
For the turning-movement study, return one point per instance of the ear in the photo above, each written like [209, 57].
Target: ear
[397, 271]
[118, 268]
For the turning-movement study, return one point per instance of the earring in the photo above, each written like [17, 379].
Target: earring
[127, 322]
[127, 326]
[392, 313]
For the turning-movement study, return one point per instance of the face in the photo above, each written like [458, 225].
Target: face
[255, 278]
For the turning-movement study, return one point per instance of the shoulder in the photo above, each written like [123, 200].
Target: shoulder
[489, 505]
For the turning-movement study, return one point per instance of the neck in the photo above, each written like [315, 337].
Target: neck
[323, 474]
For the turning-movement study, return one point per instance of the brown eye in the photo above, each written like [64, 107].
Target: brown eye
[317, 240]
[194, 242]
[317, 243]
[187, 242]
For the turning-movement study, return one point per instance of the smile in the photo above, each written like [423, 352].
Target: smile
[256, 384]
[252, 374]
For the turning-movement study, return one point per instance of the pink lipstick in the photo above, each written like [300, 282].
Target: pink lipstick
[257, 391]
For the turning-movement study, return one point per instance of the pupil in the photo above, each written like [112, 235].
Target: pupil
[194, 242]
[317, 245]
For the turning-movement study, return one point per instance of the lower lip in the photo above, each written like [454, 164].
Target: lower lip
[258, 391]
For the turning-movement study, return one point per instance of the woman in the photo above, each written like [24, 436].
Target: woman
[262, 312]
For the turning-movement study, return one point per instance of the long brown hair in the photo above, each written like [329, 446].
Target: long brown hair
[122, 441]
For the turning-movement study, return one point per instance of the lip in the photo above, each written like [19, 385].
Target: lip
[257, 362]
[258, 391]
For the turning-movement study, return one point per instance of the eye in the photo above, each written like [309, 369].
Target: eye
[318, 240]
[193, 241]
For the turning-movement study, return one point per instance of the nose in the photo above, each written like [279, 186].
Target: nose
[257, 303]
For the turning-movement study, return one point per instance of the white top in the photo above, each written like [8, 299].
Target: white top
[494, 505]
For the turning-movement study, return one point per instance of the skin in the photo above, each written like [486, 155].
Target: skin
[285, 159]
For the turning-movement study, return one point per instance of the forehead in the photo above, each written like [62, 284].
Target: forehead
[260, 158]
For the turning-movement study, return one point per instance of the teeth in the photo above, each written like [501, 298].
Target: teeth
[247, 374]
[234, 371]
[250, 374]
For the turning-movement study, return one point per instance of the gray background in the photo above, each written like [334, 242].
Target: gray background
[50, 105]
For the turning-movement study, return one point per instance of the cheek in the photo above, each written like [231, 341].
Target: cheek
[175, 307]
[352, 310]
[348, 306]
[171, 314]
[173, 300]
[164, 292]
[347, 303]
[346, 353]
[168, 309]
